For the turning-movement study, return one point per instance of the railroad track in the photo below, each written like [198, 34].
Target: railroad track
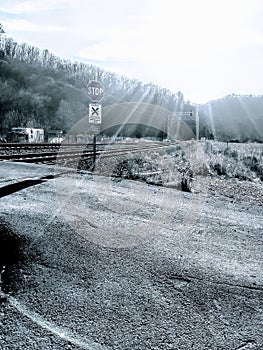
[37, 156]
[67, 152]
[16, 148]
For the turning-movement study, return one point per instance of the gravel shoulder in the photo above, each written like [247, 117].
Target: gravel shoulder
[104, 263]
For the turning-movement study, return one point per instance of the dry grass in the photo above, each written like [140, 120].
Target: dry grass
[177, 165]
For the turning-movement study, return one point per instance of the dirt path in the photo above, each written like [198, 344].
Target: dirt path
[105, 264]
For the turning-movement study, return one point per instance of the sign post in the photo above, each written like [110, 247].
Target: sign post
[95, 94]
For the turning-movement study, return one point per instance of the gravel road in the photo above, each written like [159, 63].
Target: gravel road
[90, 262]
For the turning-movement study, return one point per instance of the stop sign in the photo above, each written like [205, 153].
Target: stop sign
[95, 91]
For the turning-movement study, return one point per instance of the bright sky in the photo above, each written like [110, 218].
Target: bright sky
[204, 48]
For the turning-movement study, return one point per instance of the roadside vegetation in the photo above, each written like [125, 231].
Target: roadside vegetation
[181, 164]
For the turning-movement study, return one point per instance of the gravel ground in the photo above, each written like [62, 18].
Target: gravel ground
[98, 263]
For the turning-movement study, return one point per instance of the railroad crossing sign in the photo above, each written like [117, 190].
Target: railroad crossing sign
[95, 113]
[95, 91]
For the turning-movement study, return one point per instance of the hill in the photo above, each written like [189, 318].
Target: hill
[39, 89]
[234, 117]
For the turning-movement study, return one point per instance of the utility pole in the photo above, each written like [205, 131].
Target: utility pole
[197, 123]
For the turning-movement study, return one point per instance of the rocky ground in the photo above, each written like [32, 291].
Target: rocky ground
[93, 262]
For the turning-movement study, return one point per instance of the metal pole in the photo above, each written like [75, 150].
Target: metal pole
[168, 127]
[94, 153]
[197, 123]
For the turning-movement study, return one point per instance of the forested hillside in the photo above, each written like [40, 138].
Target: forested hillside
[39, 89]
[234, 117]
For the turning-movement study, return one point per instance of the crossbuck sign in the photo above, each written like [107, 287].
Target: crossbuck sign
[95, 113]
